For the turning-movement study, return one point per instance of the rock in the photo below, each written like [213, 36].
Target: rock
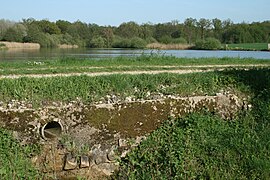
[108, 168]
[122, 143]
[128, 99]
[101, 158]
[111, 155]
[70, 163]
[124, 153]
[84, 162]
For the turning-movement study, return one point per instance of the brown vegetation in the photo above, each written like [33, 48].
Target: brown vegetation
[20, 45]
[169, 46]
[67, 46]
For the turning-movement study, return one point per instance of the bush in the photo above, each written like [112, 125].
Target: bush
[165, 39]
[138, 43]
[179, 41]
[135, 42]
[97, 42]
[208, 44]
[150, 40]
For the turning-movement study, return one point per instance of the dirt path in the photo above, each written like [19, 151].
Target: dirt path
[104, 73]
[203, 68]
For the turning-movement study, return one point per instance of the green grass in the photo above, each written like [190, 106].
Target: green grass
[203, 146]
[90, 89]
[249, 46]
[68, 65]
[15, 162]
[199, 146]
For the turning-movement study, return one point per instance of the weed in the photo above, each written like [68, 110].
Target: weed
[15, 160]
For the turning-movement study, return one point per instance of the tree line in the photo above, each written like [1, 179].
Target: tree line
[133, 35]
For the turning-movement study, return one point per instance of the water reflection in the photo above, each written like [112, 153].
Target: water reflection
[33, 54]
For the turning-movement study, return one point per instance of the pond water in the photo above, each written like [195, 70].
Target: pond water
[32, 54]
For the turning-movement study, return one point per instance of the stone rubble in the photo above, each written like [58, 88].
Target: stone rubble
[110, 127]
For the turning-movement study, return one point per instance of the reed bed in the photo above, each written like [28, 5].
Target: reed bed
[20, 45]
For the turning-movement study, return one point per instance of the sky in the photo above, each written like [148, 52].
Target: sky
[115, 12]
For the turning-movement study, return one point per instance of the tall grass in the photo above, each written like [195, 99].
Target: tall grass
[20, 45]
[168, 46]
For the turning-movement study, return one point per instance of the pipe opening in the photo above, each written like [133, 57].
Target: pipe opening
[51, 130]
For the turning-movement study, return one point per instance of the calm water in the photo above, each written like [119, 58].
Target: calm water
[19, 54]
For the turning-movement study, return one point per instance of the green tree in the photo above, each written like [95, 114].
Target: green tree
[4, 26]
[129, 30]
[217, 28]
[108, 36]
[97, 42]
[208, 44]
[63, 25]
[190, 29]
[203, 25]
[147, 31]
[48, 27]
[15, 33]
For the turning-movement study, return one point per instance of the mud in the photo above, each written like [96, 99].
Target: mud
[94, 136]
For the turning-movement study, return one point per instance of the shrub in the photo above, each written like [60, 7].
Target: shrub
[150, 40]
[208, 44]
[179, 41]
[165, 39]
[97, 42]
[135, 42]
[138, 43]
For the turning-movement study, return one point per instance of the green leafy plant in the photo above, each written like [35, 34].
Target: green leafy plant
[15, 160]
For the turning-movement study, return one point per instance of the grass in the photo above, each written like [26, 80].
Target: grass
[15, 160]
[70, 65]
[90, 89]
[199, 146]
[249, 46]
[203, 146]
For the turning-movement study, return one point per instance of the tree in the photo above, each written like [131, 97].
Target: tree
[147, 31]
[129, 30]
[63, 25]
[4, 26]
[208, 44]
[48, 27]
[217, 25]
[108, 36]
[203, 25]
[189, 27]
[97, 42]
[15, 33]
